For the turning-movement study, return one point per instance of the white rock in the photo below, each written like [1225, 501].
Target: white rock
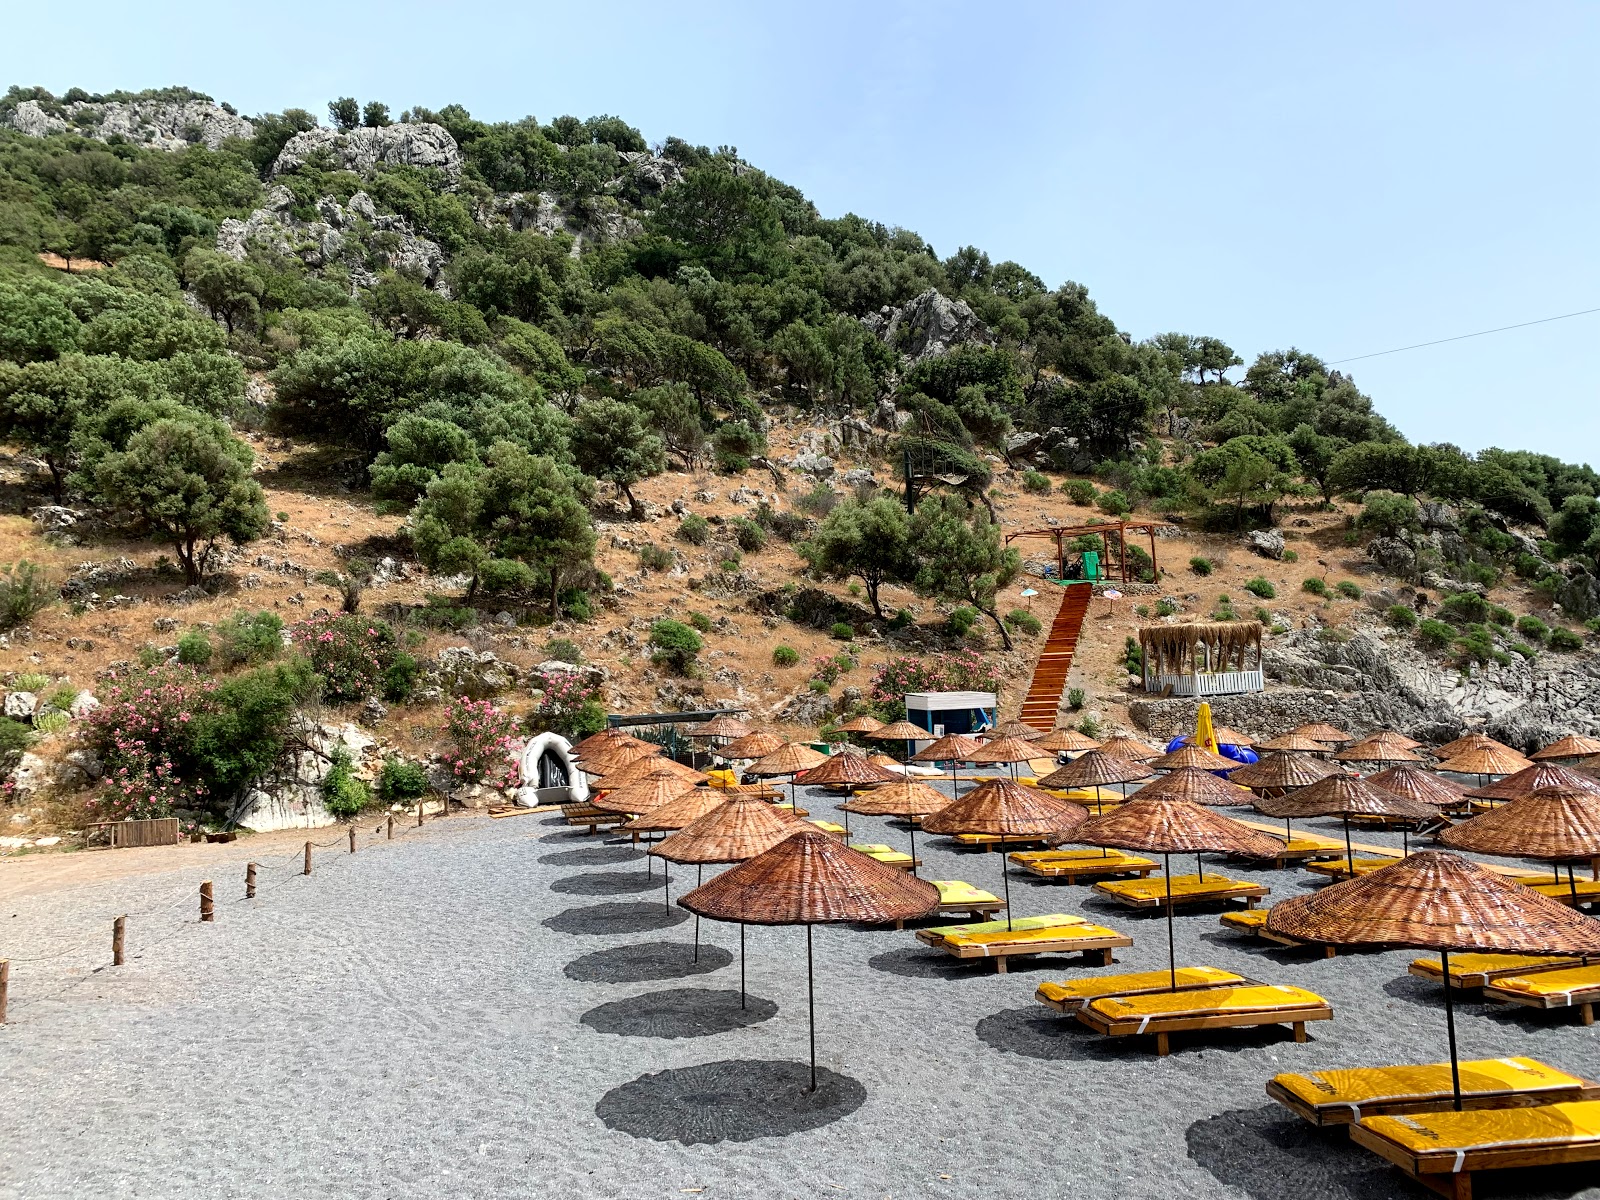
[20, 704]
[84, 703]
[419, 144]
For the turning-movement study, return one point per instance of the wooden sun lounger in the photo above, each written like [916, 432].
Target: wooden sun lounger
[1441, 1150]
[1588, 892]
[1076, 865]
[799, 812]
[832, 830]
[1299, 850]
[1166, 1013]
[1480, 970]
[1254, 921]
[588, 814]
[1094, 942]
[1070, 995]
[1186, 889]
[991, 841]
[1345, 1097]
[1573, 987]
[887, 855]
[935, 935]
[1339, 868]
[956, 896]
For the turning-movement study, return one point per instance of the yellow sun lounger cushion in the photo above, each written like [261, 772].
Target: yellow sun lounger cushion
[1339, 867]
[1183, 887]
[956, 891]
[1375, 1088]
[1251, 919]
[1460, 1133]
[993, 839]
[1051, 858]
[1207, 1002]
[1094, 987]
[886, 854]
[1050, 921]
[1554, 985]
[1475, 970]
[1001, 940]
[1588, 890]
[828, 826]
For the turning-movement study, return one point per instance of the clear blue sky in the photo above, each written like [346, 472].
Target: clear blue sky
[1345, 178]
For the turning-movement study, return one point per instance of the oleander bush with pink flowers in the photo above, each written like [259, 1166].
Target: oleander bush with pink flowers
[569, 704]
[484, 747]
[958, 671]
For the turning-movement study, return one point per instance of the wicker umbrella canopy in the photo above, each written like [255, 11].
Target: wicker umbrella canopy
[1005, 750]
[1172, 827]
[1293, 742]
[607, 740]
[787, 759]
[1196, 786]
[645, 794]
[1373, 750]
[847, 769]
[1423, 786]
[1097, 768]
[900, 731]
[1129, 748]
[725, 726]
[1282, 771]
[1437, 901]
[902, 798]
[1018, 729]
[1390, 737]
[806, 879]
[683, 809]
[602, 760]
[952, 747]
[1058, 740]
[1193, 756]
[1571, 746]
[1342, 795]
[741, 827]
[882, 759]
[643, 768]
[1232, 737]
[865, 723]
[1552, 823]
[752, 745]
[1321, 731]
[1469, 741]
[1531, 779]
[1485, 760]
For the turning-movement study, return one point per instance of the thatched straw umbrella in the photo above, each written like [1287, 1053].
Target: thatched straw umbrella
[752, 745]
[741, 828]
[1372, 750]
[1321, 731]
[953, 748]
[606, 739]
[862, 723]
[1393, 739]
[1422, 786]
[849, 768]
[1017, 729]
[1193, 756]
[722, 728]
[1197, 787]
[1096, 769]
[1003, 750]
[1531, 779]
[1129, 748]
[807, 879]
[1341, 795]
[1282, 772]
[1232, 737]
[1005, 809]
[644, 794]
[788, 759]
[604, 759]
[906, 798]
[1437, 901]
[1484, 761]
[1571, 746]
[1172, 827]
[1468, 741]
[643, 768]
[683, 809]
[900, 731]
[1296, 743]
[1068, 740]
[1555, 824]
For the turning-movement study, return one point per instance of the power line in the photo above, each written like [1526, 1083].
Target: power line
[1464, 336]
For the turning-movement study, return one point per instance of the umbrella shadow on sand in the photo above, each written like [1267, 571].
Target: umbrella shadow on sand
[607, 883]
[1038, 1032]
[678, 1013]
[593, 856]
[646, 961]
[915, 962]
[737, 1100]
[619, 917]
[1270, 1154]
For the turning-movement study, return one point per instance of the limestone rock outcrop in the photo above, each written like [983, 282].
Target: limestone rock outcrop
[417, 144]
[927, 326]
[158, 124]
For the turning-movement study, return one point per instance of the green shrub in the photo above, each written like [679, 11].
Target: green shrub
[1034, 481]
[1114, 503]
[1348, 588]
[1465, 608]
[1530, 566]
[248, 639]
[15, 737]
[656, 558]
[1435, 635]
[1200, 566]
[399, 678]
[900, 620]
[1261, 615]
[1165, 608]
[24, 593]
[194, 649]
[1523, 649]
[62, 697]
[695, 530]
[401, 781]
[1075, 698]
[674, 645]
[1080, 491]
[1133, 656]
[350, 652]
[1224, 611]
[342, 793]
[1401, 616]
[1476, 572]
[961, 619]
[1565, 639]
[1315, 585]
[1499, 615]
[1089, 727]
[842, 630]
[700, 621]
[751, 538]
[30, 681]
[563, 650]
[1291, 556]
[1262, 588]
[785, 656]
[1477, 645]
[51, 720]
[1532, 628]
[1021, 618]
[730, 565]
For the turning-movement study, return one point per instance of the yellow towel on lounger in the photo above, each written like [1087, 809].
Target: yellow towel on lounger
[1357, 1086]
[1588, 889]
[872, 848]
[1051, 858]
[956, 891]
[1095, 986]
[1479, 964]
[1250, 918]
[1182, 885]
[1554, 984]
[1207, 1002]
[1575, 1122]
[1000, 939]
[828, 826]
[1049, 921]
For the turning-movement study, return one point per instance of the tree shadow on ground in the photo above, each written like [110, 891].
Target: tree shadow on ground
[737, 1100]
[647, 961]
[593, 856]
[607, 883]
[678, 1013]
[1040, 1032]
[621, 917]
[1269, 1153]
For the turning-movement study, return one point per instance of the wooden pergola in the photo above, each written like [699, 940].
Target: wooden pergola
[1060, 534]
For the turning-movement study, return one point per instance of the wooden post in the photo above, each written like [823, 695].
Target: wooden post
[207, 908]
[118, 927]
[307, 871]
[419, 812]
[391, 827]
[352, 839]
[1155, 567]
[250, 881]
[5, 986]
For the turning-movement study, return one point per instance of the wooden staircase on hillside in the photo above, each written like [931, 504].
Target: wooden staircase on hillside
[1055, 660]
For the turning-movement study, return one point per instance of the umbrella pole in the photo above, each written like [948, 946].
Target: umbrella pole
[1349, 854]
[913, 825]
[1200, 866]
[699, 878]
[1450, 1027]
[1572, 884]
[666, 888]
[741, 964]
[1005, 881]
[1172, 952]
[811, 1011]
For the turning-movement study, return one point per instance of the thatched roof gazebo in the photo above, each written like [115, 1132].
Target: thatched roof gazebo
[1202, 658]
